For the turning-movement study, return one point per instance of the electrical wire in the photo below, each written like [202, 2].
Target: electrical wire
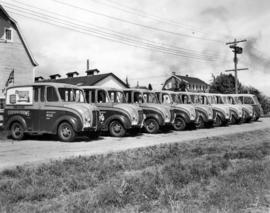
[102, 35]
[137, 24]
[173, 48]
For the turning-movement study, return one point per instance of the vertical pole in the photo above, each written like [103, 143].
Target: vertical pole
[235, 69]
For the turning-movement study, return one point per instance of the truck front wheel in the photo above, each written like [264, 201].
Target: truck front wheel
[179, 124]
[17, 131]
[66, 132]
[151, 126]
[117, 129]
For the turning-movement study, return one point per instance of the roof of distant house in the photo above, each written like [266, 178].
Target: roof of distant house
[88, 80]
[20, 35]
[191, 80]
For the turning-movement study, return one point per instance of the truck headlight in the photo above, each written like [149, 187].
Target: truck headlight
[210, 115]
[87, 120]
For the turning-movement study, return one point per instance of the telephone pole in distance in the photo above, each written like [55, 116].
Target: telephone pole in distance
[236, 50]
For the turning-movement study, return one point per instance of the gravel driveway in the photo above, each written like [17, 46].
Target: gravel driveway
[13, 153]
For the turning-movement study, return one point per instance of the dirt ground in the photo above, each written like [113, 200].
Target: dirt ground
[43, 149]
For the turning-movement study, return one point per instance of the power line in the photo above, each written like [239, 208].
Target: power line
[168, 47]
[141, 13]
[110, 38]
[137, 24]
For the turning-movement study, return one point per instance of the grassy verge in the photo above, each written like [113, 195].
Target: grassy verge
[225, 174]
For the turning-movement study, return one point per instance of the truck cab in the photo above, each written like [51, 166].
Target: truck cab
[51, 108]
[117, 116]
[236, 111]
[221, 113]
[252, 100]
[185, 115]
[247, 110]
[157, 115]
[205, 114]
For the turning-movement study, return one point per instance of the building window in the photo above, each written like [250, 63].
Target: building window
[8, 34]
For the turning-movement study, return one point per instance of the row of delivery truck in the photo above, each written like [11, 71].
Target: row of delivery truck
[69, 111]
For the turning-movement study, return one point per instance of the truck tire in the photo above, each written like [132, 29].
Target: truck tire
[200, 123]
[66, 132]
[117, 129]
[151, 126]
[179, 124]
[17, 131]
[217, 121]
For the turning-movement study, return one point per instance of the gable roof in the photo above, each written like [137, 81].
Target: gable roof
[33, 61]
[88, 80]
[191, 80]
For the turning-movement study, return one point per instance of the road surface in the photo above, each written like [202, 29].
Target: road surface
[13, 153]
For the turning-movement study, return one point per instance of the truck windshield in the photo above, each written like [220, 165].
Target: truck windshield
[176, 99]
[225, 100]
[117, 96]
[150, 98]
[71, 95]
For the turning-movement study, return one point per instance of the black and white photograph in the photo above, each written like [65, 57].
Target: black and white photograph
[134, 106]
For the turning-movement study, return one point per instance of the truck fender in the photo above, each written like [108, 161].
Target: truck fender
[183, 115]
[203, 115]
[157, 117]
[76, 125]
[124, 120]
[14, 118]
[222, 116]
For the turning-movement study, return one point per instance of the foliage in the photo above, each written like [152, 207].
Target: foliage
[229, 174]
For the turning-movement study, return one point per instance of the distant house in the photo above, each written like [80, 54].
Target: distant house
[91, 79]
[17, 64]
[191, 84]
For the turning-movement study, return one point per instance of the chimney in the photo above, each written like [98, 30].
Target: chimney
[39, 78]
[91, 72]
[55, 76]
[173, 73]
[71, 74]
[87, 64]
[186, 75]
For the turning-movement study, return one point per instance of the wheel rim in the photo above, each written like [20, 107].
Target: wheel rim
[151, 126]
[17, 130]
[66, 131]
[116, 127]
[179, 124]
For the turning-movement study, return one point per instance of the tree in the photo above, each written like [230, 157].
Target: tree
[182, 86]
[224, 84]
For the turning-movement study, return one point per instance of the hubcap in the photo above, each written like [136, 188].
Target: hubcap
[66, 131]
[116, 128]
[179, 123]
[17, 130]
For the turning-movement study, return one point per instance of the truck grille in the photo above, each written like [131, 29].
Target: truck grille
[172, 115]
[95, 118]
[140, 117]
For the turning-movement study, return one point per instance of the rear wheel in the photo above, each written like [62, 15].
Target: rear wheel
[117, 129]
[17, 131]
[217, 121]
[151, 126]
[233, 120]
[200, 123]
[179, 124]
[66, 132]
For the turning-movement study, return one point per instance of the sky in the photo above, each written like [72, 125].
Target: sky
[146, 40]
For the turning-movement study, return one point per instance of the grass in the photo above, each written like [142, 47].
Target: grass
[225, 174]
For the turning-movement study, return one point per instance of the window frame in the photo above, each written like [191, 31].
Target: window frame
[11, 34]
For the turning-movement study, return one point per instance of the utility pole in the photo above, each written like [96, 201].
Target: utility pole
[236, 50]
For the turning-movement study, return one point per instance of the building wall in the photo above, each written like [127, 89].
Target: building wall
[110, 82]
[13, 56]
